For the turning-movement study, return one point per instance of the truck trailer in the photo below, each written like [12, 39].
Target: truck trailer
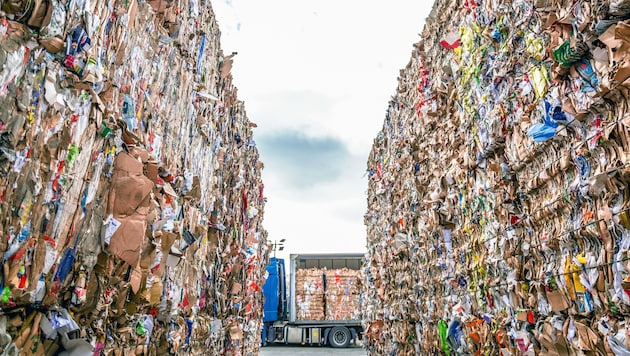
[323, 301]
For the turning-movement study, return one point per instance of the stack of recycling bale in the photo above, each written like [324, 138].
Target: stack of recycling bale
[309, 294]
[327, 294]
[342, 294]
[131, 196]
[498, 194]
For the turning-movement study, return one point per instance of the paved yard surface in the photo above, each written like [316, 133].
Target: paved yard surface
[307, 351]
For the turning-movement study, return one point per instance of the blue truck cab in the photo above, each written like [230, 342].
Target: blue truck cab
[275, 293]
[280, 323]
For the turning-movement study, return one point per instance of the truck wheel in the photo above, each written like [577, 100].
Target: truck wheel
[339, 337]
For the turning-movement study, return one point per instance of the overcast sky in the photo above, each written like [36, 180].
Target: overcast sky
[316, 77]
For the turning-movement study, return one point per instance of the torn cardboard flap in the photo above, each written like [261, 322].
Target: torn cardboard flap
[127, 239]
[129, 186]
[169, 190]
[235, 331]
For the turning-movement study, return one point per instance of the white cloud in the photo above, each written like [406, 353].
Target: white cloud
[326, 68]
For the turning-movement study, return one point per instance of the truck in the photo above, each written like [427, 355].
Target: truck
[285, 319]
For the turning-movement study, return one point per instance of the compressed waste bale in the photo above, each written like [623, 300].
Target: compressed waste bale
[327, 294]
[309, 294]
[342, 294]
[130, 184]
[498, 197]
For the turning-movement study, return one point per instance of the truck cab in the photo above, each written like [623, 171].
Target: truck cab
[274, 290]
[331, 287]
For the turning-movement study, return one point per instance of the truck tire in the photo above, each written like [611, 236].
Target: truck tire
[339, 337]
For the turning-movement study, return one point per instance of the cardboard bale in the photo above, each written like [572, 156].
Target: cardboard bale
[126, 218]
[497, 196]
[343, 306]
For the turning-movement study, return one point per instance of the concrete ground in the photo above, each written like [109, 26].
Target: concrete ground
[310, 350]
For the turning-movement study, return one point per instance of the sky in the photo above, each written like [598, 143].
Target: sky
[316, 77]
